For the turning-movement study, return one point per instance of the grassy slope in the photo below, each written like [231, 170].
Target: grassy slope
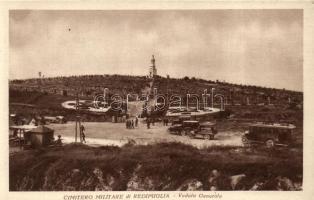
[170, 163]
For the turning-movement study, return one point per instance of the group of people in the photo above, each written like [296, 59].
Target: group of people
[131, 123]
[150, 121]
[82, 131]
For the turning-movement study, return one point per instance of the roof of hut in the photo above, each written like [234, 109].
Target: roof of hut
[41, 129]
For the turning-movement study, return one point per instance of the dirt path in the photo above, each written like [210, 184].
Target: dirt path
[106, 133]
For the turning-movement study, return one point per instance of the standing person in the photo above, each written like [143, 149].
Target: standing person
[129, 123]
[132, 123]
[136, 121]
[148, 123]
[153, 121]
[164, 121]
[83, 133]
[126, 124]
[83, 137]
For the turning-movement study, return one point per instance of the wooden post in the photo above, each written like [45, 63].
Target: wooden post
[212, 97]
[78, 120]
[76, 117]
[75, 129]
[20, 142]
[79, 123]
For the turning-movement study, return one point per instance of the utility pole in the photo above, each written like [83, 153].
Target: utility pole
[205, 99]
[213, 97]
[76, 107]
[77, 119]
[167, 92]
[187, 102]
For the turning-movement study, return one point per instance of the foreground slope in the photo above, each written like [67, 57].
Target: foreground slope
[162, 166]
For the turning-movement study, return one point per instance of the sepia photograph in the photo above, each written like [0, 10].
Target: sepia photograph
[155, 100]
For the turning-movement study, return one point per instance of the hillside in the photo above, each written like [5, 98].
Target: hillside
[162, 166]
[89, 85]
[86, 86]
[245, 102]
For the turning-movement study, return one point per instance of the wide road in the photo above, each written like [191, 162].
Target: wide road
[107, 133]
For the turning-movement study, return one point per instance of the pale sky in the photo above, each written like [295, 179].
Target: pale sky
[257, 47]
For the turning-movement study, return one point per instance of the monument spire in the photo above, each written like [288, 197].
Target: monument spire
[152, 68]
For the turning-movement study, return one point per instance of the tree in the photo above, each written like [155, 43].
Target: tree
[186, 78]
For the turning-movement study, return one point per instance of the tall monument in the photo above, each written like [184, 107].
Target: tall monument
[152, 68]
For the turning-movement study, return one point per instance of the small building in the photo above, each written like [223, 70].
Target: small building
[39, 137]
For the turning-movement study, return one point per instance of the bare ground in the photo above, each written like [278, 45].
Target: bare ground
[106, 133]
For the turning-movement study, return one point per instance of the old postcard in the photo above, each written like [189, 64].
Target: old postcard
[157, 100]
